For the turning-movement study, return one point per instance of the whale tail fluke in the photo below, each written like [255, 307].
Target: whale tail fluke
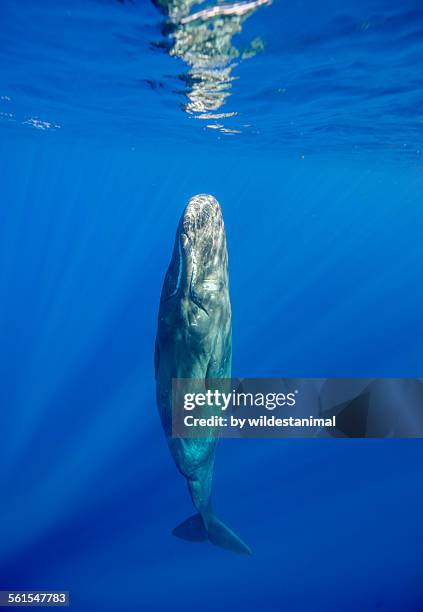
[192, 529]
[219, 534]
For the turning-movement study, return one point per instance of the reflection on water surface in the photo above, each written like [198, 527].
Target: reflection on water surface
[203, 40]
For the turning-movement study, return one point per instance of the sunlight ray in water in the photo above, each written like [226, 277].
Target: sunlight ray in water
[203, 40]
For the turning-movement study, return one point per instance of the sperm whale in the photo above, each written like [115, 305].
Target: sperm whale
[194, 340]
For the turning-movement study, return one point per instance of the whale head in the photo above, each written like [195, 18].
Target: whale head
[198, 271]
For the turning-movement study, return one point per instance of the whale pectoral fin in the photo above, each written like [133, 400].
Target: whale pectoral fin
[156, 358]
[192, 529]
[221, 535]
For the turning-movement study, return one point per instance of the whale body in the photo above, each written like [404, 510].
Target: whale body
[194, 340]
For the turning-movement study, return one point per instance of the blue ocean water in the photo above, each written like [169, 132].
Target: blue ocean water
[305, 121]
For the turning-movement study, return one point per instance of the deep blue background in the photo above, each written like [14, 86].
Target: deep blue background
[325, 247]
